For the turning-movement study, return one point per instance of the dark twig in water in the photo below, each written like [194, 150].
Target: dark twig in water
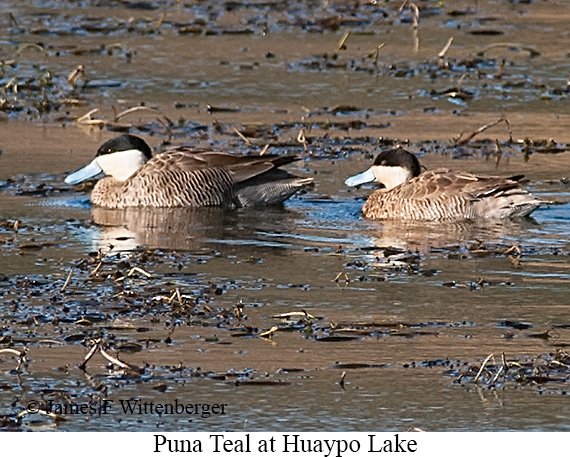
[302, 139]
[133, 110]
[67, 280]
[489, 357]
[95, 271]
[178, 296]
[498, 153]
[56, 417]
[346, 279]
[167, 128]
[134, 271]
[499, 73]
[302, 313]
[13, 20]
[221, 109]
[460, 82]
[114, 360]
[514, 46]
[376, 54]
[98, 347]
[342, 377]
[483, 128]
[269, 333]
[341, 44]
[89, 354]
[547, 334]
[86, 118]
[514, 251]
[160, 21]
[75, 75]
[442, 53]
[238, 311]
[416, 26]
[499, 371]
[25, 46]
[243, 137]
[21, 356]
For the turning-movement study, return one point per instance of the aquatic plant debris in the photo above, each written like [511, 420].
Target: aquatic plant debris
[299, 302]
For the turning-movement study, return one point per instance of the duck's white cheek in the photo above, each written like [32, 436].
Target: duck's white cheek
[391, 176]
[121, 165]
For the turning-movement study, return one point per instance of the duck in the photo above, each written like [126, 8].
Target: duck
[182, 176]
[410, 194]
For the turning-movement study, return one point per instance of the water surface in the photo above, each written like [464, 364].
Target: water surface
[403, 309]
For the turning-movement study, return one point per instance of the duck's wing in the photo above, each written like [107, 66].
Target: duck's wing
[433, 185]
[438, 183]
[241, 168]
[489, 186]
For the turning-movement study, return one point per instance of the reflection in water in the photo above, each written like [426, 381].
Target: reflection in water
[194, 228]
[425, 236]
[330, 222]
[168, 228]
[187, 228]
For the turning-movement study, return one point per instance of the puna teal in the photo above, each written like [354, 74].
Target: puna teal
[440, 194]
[185, 177]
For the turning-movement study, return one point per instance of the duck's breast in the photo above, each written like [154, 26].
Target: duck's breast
[167, 187]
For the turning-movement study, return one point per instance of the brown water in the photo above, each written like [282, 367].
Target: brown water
[404, 310]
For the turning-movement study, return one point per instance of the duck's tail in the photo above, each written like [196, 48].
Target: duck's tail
[271, 188]
[512, 203]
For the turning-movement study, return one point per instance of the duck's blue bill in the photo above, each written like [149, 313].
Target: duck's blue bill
[362, 178]
[87, 172]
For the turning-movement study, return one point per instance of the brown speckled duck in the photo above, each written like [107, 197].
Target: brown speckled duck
[440, 194]
[185, 177]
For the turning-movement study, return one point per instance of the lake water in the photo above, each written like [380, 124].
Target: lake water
[408, 312]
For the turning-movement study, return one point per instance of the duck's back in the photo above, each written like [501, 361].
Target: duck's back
[446, 195]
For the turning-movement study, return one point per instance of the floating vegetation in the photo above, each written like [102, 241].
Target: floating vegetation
[113, 313]
[282, 300]
[546, 372]
[50, 89]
